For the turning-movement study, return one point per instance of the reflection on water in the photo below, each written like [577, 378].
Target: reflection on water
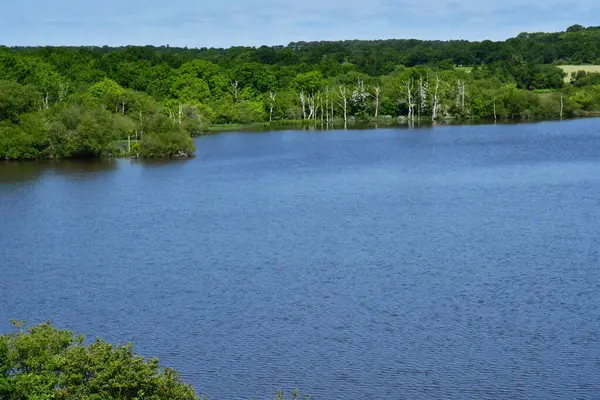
[23, 171]
[391, 123]
[161, 162]
[20, 172]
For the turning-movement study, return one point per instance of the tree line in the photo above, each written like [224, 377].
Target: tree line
[60, 102]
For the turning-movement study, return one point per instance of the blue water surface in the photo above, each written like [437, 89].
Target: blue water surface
[448, 262]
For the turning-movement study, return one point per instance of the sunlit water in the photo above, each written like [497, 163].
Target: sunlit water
[453, 262]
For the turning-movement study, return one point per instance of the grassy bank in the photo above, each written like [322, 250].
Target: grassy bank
[234, 127]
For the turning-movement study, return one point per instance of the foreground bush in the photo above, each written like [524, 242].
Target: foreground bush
[46, 363]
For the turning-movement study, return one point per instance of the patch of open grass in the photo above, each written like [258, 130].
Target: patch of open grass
[233, 127]
[574, 68]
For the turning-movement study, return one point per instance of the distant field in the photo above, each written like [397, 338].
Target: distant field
[567, 68]
[574, 68]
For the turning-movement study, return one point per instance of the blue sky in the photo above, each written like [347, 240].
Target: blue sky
[223, 23]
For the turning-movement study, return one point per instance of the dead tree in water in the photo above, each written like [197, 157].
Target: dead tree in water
[343, 92]
[303, 102]
[327, 105]
[376, 97]
[332, 106]
[423, 96]
[436, 100]
[311, 106]
[322, 107]
[272, 97]
[410, 101]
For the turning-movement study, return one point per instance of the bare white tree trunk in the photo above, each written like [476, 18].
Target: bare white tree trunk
[436, 100]
[46, 100]
[377, 93]
[458, 93]
[419, 98]
[63, 90]
[235, 90]
[423, 95]
[180, 113]
[332, 109]
[311, 106]
[562, 105]
[303, 102]
[272, 97]
[345, 112]
[327, 105]
[322, 107]
[494, 109]
[319, 106]
[409, 99]
[344, 103]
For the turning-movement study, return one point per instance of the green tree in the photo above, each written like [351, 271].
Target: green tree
[45, 363]
[108, 93]
[16, 99]
[164, 137]
[310, 82]
[575, 28]
[27, 140]
[189, 88]
[79, 132]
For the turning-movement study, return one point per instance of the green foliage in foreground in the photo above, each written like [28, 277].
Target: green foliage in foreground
[45, 363]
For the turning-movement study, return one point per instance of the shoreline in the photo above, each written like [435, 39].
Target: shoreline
[378, 124]
[260, 127]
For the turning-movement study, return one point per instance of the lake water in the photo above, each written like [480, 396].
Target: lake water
[447, 262]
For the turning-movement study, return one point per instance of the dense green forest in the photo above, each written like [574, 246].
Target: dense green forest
[43, 363]
[59, 102]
